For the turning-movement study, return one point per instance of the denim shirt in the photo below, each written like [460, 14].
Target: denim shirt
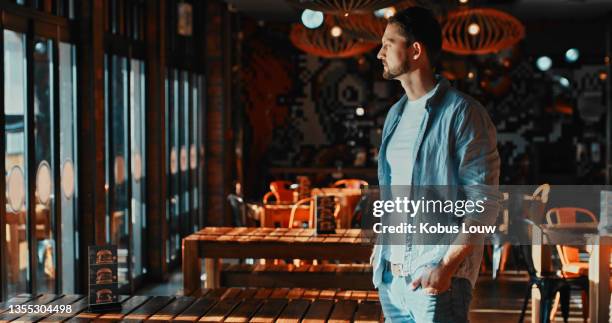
[456, 145]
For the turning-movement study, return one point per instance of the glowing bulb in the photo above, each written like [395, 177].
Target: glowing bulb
[471, 75]
[473, 29]
[385, 12]
[390, 12]
[572, 55]
[463, 1]
[312, 19]
[603, 76]
[360, 111]
[544, 63]
[336, 31]
[564, 82]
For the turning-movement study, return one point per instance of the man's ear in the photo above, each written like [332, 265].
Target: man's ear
[418, 50]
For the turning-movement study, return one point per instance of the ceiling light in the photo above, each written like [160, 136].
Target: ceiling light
[463, 1]
[312, 19]
[473, 29]
[572, 55]
[544, 63]
[385, 12]
[336, 31]
[564, 82]
[360, 111]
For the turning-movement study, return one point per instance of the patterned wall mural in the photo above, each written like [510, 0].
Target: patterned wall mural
[546, 131]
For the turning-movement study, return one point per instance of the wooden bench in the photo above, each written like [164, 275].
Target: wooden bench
[339, 276]
[216, 305]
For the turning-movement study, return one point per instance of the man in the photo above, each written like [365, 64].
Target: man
[434, 135]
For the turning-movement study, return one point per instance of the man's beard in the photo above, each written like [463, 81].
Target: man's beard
[390, 74]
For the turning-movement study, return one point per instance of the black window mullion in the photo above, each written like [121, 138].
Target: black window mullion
[109, 144]
[30, 157]
[55, 162]
[128, 177]
[3, 257]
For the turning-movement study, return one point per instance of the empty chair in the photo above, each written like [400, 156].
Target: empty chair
[281, 191]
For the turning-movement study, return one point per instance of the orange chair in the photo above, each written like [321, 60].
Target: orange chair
[281, 191]
[350, 183]
[299, 216]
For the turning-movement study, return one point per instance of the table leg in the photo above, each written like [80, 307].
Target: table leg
[599, 285]
[542, 261]
[213, 272]
[191, 266]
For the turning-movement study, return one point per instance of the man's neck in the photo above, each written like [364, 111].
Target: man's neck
[417, 83]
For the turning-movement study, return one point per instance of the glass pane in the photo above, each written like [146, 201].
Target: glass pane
[173, 132]
[117, 163]
[15, 159]
[184, 156]
[68, 164]
[43, 159]
[137, 137]
[168, 91]
[200, 146]
[193, 152]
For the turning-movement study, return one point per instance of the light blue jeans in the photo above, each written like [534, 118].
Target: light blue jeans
[401, 304]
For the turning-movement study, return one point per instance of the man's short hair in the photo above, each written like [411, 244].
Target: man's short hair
[420, 24]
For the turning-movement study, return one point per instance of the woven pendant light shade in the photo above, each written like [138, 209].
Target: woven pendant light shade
[342, 6]
[367, 26]
[480, 31]
[320, 42]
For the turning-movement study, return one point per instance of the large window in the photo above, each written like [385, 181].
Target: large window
[125, 149]
[39, 114]
[184, 110]
[15, 162]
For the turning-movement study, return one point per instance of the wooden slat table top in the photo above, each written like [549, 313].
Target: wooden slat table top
[239, 305]
[228, 242]
[64, 300]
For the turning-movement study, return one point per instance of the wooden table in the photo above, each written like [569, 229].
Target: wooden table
[599, 267]
[214, 243]
[217, 305]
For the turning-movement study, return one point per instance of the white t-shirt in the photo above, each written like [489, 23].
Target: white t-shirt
[400, 155]
[402, 144]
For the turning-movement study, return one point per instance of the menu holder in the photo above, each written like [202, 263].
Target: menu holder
[324, 208]
[103, 283]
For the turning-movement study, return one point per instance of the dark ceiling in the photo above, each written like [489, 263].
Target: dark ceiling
[281, 11]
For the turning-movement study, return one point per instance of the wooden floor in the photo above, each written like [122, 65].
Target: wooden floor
[500, 300]
[497, 301]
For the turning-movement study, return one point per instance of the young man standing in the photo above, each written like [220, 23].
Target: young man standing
[434, 135]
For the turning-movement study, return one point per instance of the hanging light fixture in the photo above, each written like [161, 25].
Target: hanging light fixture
[371, 27]
[480, 31]
[328, 41]
[342, 7]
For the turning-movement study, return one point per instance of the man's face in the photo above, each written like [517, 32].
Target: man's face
[394, 53]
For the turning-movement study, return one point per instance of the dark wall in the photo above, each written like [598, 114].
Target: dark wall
[301, 109]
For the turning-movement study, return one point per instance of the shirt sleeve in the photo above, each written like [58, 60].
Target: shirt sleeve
[478, 160]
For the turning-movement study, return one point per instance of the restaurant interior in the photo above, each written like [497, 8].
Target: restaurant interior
[215, 159]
